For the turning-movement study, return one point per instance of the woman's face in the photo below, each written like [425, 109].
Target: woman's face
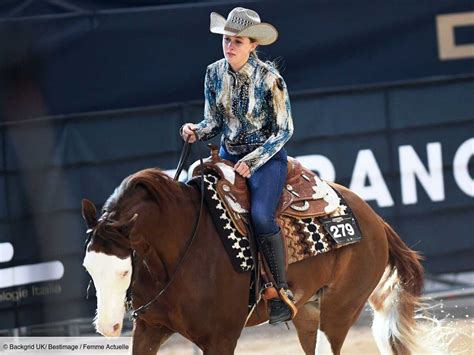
[237, 50]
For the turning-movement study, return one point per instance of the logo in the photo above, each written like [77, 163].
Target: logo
[446, 27]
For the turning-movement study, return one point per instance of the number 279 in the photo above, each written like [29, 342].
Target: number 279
[341, 230]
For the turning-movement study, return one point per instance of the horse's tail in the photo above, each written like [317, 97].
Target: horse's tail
[395, 301]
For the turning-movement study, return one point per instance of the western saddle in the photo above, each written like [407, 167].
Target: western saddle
[304, 194]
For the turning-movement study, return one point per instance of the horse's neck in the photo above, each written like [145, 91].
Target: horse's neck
[203, 270]
[150, 262]
[168, 227]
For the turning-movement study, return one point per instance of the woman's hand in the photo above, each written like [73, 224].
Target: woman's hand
[242, 169]
[188, 132]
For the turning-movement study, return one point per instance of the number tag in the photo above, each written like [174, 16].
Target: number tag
[342, 229]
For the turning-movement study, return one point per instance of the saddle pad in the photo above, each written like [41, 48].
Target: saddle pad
[305, 237]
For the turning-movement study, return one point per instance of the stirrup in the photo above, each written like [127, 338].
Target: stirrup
[289, 299]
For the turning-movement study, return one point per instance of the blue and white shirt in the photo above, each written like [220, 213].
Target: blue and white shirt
[251, 108]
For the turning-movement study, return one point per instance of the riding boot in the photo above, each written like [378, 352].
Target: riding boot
[281, 309]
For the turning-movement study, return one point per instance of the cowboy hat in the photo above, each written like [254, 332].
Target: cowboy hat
[245, 23]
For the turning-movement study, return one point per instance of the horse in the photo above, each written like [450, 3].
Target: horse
[142, 243]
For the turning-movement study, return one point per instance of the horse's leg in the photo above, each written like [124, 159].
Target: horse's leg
[340, 309]
[345, 297]
[356, 273]
[306, 323]
[222, 335]
[220, 345]
[147, 339]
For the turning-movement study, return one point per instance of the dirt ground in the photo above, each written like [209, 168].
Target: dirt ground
[268, 340]
[275, 340]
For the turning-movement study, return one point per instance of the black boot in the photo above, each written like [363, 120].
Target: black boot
[271, 245]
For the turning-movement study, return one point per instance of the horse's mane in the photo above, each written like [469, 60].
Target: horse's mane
[159, 185]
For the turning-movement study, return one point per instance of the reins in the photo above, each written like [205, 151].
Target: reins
[182, 160]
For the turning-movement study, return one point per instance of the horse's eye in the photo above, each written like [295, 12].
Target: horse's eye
[125, 273]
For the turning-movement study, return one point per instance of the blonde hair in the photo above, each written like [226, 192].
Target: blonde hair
[254, 53]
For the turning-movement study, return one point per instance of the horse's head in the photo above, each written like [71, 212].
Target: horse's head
[108, 261]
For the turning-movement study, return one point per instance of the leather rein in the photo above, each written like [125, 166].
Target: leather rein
[142, 309]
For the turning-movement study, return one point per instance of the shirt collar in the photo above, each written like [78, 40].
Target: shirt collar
[247, 69]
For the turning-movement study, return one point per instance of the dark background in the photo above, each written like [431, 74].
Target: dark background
[91, 91]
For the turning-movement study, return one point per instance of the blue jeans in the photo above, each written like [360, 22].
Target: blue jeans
[266, 186]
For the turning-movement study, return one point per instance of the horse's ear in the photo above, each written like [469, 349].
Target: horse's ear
[89, 213]
[127, 228]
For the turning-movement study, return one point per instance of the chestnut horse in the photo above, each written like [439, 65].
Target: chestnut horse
[145, 229]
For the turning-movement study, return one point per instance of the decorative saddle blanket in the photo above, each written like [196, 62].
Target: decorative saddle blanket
[305, 236]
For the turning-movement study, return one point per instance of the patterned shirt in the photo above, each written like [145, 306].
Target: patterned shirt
[250, 107]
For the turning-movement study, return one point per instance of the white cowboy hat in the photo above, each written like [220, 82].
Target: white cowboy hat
[245, 23]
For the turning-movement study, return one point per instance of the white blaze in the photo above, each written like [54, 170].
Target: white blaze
[111, 276]
[411, 169]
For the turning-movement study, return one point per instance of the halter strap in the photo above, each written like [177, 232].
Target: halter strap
[142, 309]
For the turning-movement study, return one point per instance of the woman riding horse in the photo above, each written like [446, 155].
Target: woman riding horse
[246, 99]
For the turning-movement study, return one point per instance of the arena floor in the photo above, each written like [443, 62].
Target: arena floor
[275, 340]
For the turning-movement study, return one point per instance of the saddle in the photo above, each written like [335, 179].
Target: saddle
[304, 193]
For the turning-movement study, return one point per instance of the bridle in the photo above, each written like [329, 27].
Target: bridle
[134, 314]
